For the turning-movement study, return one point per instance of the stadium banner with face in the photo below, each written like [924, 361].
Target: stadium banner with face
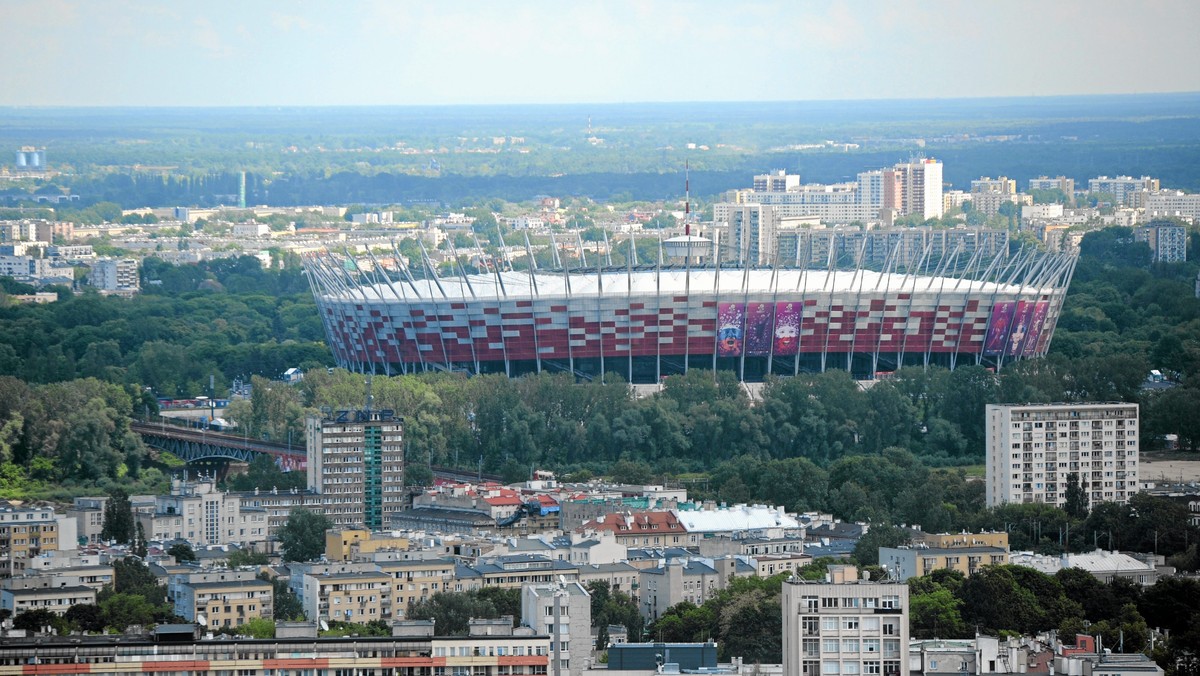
[787, 328]
[731, 318]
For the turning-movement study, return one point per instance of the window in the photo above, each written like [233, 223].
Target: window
[849, 623]
[829, 623]
[830, 645]
[871, 667]
[850, 645]
[828, 667]
[870, 624]
[870, 645]
[849, 667]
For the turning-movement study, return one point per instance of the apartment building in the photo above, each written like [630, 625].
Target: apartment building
[348, 544]
[1167, 240]
[413, 581]
[1067, 185]
[225, 603]
[1128, 191]
[564, 613]
[25, 532]
[356, 464]
[203, 515]
[348, 597]
[1173, 203]
[920, 560]
[846, 625]
[408, 651]
[115, 274]
[1033, 450]
[56, 599]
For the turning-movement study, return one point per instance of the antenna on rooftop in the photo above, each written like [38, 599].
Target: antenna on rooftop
[687, 198]
[369, 399]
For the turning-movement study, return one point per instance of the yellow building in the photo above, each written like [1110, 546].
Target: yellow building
[351, 543]
[348, 597]
[24, 534]
[414, 581]
[918, 561]
[227, 603]
[962, 540]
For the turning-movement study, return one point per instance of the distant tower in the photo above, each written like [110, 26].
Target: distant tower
[242, 191]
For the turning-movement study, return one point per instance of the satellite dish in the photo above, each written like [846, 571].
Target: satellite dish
[201, 620]
[324, 625]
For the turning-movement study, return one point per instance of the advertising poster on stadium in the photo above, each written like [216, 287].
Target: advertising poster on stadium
[1020, 328]
[759, 331]
[731, 318]
[998, 326]
[787, 328]
[1036, 324]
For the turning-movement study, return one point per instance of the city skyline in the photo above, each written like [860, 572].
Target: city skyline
[134, 53]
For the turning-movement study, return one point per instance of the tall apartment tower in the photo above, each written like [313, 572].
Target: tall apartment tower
[1033, 449]
[845, 625]
[356, 464]
[776, 181]
[753, 229]
[921, 188]
[563, 612]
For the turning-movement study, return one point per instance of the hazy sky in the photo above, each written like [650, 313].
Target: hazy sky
[316, 52]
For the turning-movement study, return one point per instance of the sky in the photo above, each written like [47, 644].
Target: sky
[395, 52]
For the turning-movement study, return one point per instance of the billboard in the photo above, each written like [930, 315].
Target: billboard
[787, 328]
[998, 326]
[731, 319]
[1037, 324]
[1020, 328]
[759, 332]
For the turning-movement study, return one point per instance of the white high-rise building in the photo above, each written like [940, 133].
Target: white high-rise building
[1127, 190]
[1033, 449]
[845, 625]
[356, 464]
[920, 188]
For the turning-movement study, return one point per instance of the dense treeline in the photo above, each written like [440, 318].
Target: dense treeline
[224, 318]
[745, 618]
[72, 435]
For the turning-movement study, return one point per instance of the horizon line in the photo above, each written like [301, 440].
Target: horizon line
[935, 99]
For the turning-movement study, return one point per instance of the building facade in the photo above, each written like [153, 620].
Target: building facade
[1128, 191]
[1167, 240]
[356, 464]
[24, 534]
[564, 613]
[649, 323]
[115, 274]
[845, 626]
[1035, 451]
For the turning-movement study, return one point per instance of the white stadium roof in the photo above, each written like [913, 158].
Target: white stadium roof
[671, 281]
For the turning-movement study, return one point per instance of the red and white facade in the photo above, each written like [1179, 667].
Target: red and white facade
[648, 323]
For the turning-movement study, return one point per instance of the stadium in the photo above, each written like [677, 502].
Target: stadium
[647, 322]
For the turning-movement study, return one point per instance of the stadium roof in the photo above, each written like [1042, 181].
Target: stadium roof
[672, 280]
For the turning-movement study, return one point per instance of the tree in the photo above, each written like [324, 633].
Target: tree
[1077, 501]
[246, 557]
[87, 617]
[451, 611]
[38, 619]
[287, 606]
[257, 627]
[123, 610]
[182, 551]
[866, 551]
[118, 518]
[302, 538]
